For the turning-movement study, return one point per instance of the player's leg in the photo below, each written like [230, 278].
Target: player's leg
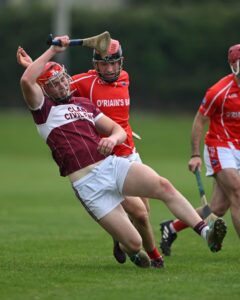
[224, 165]
[136, 157]
[229, 181]
[138, 210]
[141, 180]
[146, 203]
[138, 214]
[118, 225]
[99, 192]
[219, 204]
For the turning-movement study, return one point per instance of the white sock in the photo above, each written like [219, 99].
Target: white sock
[204, 232]
[172, 228]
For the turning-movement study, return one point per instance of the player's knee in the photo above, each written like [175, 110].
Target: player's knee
[141, 217]
[235, 192]
[135, 244]
[165, 189]
[219, 213]
[219, 210]
[146, 204]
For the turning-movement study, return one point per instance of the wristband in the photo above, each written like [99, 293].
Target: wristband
[195, 155]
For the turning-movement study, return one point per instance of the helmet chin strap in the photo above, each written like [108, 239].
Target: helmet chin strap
[109, 80]
[235, 70]
[64, 99]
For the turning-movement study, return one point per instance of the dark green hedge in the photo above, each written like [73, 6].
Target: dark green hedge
[173, 53]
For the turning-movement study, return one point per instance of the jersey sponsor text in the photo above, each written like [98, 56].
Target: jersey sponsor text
[112, 102]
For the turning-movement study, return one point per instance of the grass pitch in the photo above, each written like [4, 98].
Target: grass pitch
[51, 249]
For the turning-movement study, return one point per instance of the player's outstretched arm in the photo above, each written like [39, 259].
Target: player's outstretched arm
[32, 92]
[23, 58]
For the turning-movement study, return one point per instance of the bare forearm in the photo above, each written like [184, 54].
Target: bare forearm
[118, 134]
[196, 137]
[107, 144]
[114, 132]
[196, 141]
[197, 133]
[111, 129]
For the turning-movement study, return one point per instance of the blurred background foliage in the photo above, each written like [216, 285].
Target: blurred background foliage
[174, 49]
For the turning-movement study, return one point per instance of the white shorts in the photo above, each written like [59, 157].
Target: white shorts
[134, 157]
[100, 191]
[219, 158]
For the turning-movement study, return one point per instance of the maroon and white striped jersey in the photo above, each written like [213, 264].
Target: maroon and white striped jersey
[69, 130]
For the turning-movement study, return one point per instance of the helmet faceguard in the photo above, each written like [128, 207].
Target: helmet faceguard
[114, 55]
[234, 59]
[54, 82]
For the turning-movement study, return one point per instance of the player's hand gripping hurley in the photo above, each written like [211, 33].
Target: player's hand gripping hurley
[207, 213]
[99, 42]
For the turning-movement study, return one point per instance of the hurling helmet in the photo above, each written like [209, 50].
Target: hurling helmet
[114, 54]
[52, 74]
[51, 71]
[234, 58]
[234, 53]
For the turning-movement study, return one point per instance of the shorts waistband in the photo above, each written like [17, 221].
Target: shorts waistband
[98, 166]
[82, 172]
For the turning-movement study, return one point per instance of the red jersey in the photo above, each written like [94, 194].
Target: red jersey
[222, 105]
[111, 98]
[69, 130]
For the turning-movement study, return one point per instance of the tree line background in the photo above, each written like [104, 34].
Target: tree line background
[174, 50]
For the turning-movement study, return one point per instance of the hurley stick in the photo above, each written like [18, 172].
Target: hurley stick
[99, 42]
[207, 213]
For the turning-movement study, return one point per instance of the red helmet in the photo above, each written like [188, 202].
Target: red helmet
[114, 54]
[234, 59]
[51, 71]
[54, 82]
[234, 53]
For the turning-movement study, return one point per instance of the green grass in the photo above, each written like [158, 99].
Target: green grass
[51, 249]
